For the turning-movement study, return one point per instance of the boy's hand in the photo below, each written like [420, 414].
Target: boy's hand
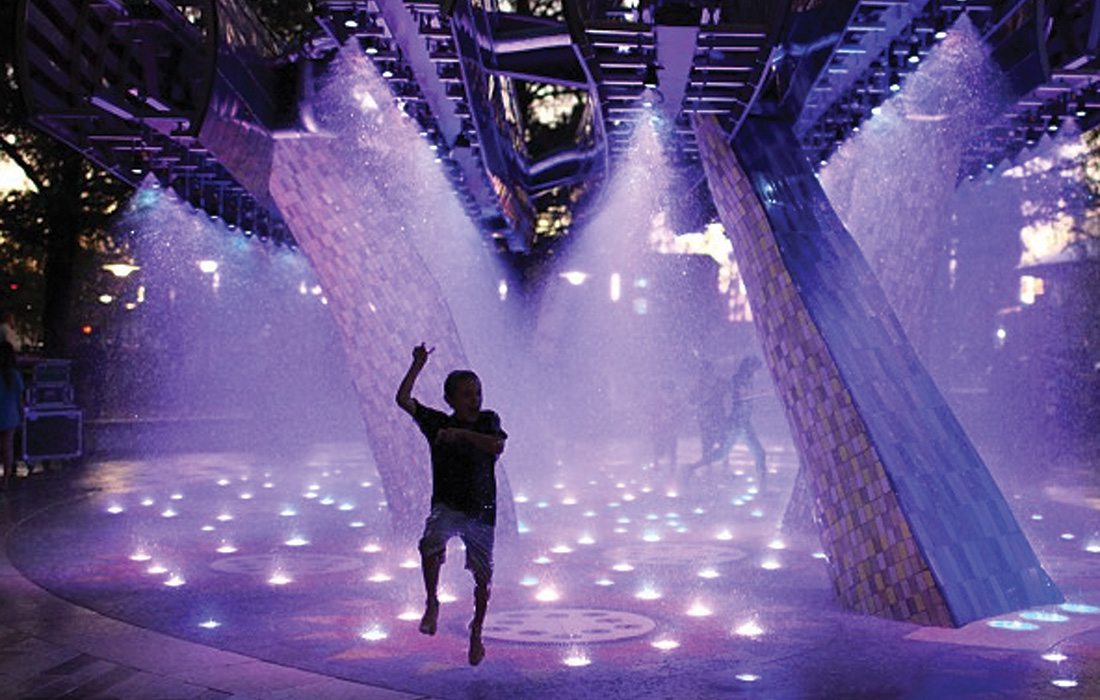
[420, 353]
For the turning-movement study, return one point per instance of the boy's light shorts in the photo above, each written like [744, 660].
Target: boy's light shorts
[444, 523]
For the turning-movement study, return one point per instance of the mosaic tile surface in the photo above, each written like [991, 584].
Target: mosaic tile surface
[913, 524]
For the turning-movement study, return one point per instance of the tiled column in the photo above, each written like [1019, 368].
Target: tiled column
[913, 524]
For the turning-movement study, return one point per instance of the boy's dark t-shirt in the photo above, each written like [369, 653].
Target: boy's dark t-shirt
[463, 476]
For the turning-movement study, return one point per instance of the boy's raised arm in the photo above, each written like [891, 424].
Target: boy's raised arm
[404, 391]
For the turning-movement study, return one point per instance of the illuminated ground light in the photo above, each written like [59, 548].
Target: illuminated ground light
[157, 569]
[724, 535]
[665, 644]
[820, 555]
[1014, 625]
[1064, 683]
[365, 484]
[246, 496]
[409, 564]
[346, 507]
[296, 541]
[699, 609]
[447, 597]
[547, 594]
[648, 593]
[747, 677]
[569, 501]
[529, 581]
[175, 581]
[1043, 616]
[374, 634]
[622, 566]
[522, 528]
[605, 582]
[288, 512]
[777, 544]
[1036, 516]
[757, 513]
[576, 658]
[226, 548]
[1080, 608]
[140, 555]
[210, 624]
[223, 482]
[379, 577]
[207, 528]
[280, 578]
[147, 502]
[561, 549]
[521, 499]
[651, 536]
[708, 572]
[409, 615]
[586, 539]
[770, 564]
[224, 518]
[749, 629]
[671, 493]
[1054, 656]
[542, 560]
[372, 548]
[357, 524]
[168, 513]
[328, 501]
[1092, 547]
[115, 509]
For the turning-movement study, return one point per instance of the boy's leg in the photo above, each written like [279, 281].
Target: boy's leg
[478, 538]
[433, 552]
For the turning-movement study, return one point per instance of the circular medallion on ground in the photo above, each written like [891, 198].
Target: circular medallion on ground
[669, 554]
[565, 625]
[290, 564]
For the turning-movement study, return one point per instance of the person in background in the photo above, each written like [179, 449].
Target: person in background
[11, 409]
[7, 331]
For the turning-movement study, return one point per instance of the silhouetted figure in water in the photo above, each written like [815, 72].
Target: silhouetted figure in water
[708, 397]
[464, 449]
[738, 422]
[664, 419]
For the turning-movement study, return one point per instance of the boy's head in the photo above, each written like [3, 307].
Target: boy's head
[462, 391]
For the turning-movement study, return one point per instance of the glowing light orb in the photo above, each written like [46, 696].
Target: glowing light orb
[115, 509]
[246, 496]
[589, 513]
[561, 549]
[223, 482]
[1054, 656]
[314, 487]
[622, 566]
[542, 559]
[665, 644]
[296, 541]
[224, 518]
[309, 494]
[379, 577]
[140, 555]
[346, 506]
[269, 485]
[698, 511]
[547, 594]
[1064, 683]
[708, 572]
[521, 499]
[168, 513]
[409, 615]
[770, 565]
[757, 513]
[651, 536]
[1036, 516]
[576, 659]
[226, 548]
[372, 548]
[210, 624]
[207, 528]
[147, 502]
[529, 581]
[623, 520]
[157, 569]
[569, 501]
[366, 484]
[175, 581]
[1067, 536]
[1080, 608]
[628, 497]
[447, 597]
[176, 496]
[279, 578]
[522, 528]
[724, 535]
[699, 609]
[328, 501]
[586, 539]
[749, 629]
[1092, 547]
[409, 564]
[605, 582]
[777, 544]
[747, 677]
[357, 524]
[820, 555]
[648, 592]
[671, 493]
[374, 634]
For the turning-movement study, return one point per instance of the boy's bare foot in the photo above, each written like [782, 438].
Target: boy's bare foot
[477, 649]
[431, 617]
